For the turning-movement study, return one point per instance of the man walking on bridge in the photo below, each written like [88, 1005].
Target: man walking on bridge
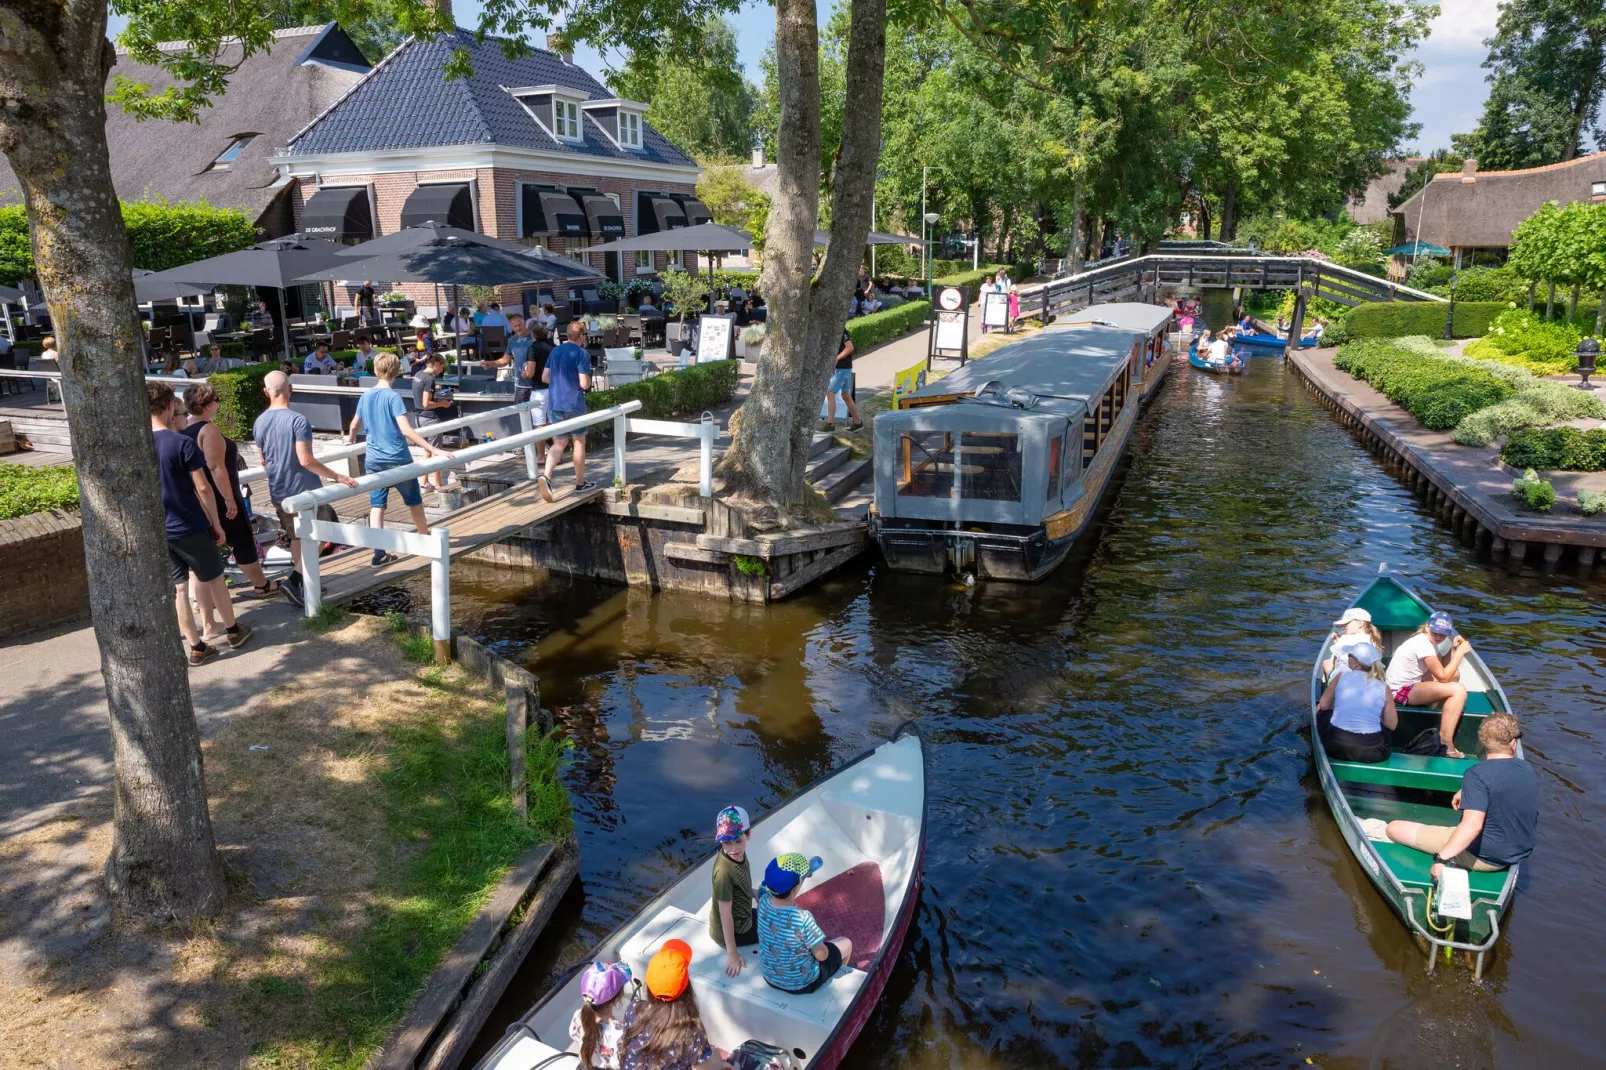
[568, 376]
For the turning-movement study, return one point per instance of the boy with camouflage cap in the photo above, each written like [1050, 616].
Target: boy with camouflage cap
[793, 953]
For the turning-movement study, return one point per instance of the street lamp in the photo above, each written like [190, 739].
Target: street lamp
[927, 221]
[1449, 319]
[1586, 353]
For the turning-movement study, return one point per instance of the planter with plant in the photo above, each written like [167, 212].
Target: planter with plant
[1536, 494]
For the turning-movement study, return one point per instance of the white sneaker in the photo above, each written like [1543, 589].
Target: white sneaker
[1375, 829]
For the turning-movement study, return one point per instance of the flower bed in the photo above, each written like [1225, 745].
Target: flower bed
[25, 490]
[1523, 339]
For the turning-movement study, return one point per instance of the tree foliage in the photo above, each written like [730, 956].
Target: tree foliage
[733, 201]
[700, 101]
[163, 235]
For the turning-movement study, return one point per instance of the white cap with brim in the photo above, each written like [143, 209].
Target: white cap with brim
[1354, 613]
[1365, 653]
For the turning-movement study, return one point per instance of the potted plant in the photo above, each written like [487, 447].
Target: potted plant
[686, 293]
[750, 339]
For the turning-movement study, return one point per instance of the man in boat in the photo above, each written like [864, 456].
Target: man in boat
[793, 953]
[1499, 804]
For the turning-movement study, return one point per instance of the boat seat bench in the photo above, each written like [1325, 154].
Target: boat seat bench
[1407, 771]
[1414, 869]
[1478, 705]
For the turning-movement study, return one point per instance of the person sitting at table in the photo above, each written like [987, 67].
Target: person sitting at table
[738, 294]
[423, 344]
[494, 317]
[464, 329]
[366, 354]
[47, 352]
[171, 366]
[744, 312]
[547, 317]
[319, 362]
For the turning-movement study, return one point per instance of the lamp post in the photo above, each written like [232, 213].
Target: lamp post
[1449, 319]
[929, 219]
[1587, 351]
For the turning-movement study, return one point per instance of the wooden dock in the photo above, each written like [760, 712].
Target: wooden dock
[348, 574]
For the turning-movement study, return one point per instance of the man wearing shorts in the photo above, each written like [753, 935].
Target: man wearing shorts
[384, 413]
[193, 531]
[568, 376]
[842, 384]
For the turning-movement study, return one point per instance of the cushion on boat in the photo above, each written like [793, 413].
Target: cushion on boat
[851, 904]
[1407, 771]
[1415, 869]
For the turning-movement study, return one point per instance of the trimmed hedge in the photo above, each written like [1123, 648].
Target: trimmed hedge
[1563, 448]
[969, 278]
[163, 235]
[240, 399]
[684, 392]
[25, 490]
[1396, 319]
[877, 327]
[1439, 393]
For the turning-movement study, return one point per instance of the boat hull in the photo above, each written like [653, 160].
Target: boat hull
[1268, 343]
[1196, 361]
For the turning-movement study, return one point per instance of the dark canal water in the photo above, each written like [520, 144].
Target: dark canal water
[1129, 860]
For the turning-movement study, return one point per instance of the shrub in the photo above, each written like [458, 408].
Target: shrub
[1499, 284]
[685, 392]
[966, 278]
[1589, 503]
[1438, 392]
[870, 331]
[240, 399]
[1562, 448]
[1486, 425]
[1396, 319]
[1536, 494]
[1525, 339]
[25, 490]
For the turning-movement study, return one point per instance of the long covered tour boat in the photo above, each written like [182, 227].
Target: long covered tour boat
[866, 821]
[1151, 327]
[995, 469]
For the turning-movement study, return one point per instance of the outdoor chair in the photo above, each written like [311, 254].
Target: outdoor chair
[493, 342]
[341, 340]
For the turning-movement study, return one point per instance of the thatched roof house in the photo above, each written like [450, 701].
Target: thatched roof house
[226, 158]
[1371, 205]
[1471, 210]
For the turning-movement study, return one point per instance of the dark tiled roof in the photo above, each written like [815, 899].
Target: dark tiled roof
[407, 102]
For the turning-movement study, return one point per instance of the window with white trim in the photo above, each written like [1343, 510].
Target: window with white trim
[578, 249]
[630, 129]
[672, 260]
[1597, 189]
[566, 119]
[643, 262]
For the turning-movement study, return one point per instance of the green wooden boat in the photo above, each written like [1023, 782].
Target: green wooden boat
[1413, 788]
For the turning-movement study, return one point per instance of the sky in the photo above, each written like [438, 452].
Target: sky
[1447, 98]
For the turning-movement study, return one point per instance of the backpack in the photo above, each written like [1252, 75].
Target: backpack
[757, 1055]
[1428, 744]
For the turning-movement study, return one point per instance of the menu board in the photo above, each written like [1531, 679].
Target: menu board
[950, 331]
[994, 309]
[715, 335]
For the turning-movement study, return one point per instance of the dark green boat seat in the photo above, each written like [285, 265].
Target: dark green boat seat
[1479, 703]
[1407, 771]
[1415, 870]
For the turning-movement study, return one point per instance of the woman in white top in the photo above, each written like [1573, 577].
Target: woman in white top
[1356, 708]
[1426, 669]
[1353, 627]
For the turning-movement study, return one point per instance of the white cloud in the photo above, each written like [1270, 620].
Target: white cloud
[1449, 95]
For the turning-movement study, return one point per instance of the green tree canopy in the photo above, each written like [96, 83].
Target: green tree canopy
[706, 105]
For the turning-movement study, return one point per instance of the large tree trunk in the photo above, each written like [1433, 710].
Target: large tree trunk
[806, 316]
[1229, 214]
[1075, 250]
[54, 59]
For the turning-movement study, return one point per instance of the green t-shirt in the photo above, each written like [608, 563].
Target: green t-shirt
[733, 884]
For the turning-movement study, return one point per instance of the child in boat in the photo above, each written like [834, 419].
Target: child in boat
[1427, 669]
[666, 1031]
[793, 953]
[1499, 804]
[1356, 707]
[730, 922]
[598, 1025]
[1353, 623]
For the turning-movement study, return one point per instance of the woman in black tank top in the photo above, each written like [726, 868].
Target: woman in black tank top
[200, 401]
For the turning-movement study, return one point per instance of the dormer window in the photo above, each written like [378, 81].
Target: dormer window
[556, 108]
[229, 155]
[1597, 189]
[566, 119]
[618, 119]
[630, 132]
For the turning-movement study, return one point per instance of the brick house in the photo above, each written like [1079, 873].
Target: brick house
[533, 150]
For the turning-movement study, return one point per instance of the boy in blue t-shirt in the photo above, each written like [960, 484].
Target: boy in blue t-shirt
[568, 376]
[384, 413]
[793, 953]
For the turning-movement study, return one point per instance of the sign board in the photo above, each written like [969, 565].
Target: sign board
[994, 309]
[715, 337]
[907, 382]
[950, 321]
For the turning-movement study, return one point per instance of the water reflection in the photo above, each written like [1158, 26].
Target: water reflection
[1129, 860]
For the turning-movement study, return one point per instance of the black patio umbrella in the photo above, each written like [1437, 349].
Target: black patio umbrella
[451, 262]
[421, 235]
[149, 287]
[276, 265]
[8, 294]
[705, 238]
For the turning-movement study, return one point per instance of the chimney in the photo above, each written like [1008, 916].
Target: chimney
[556, 44]
[1469, 170]
[445, 9]
[758, 157]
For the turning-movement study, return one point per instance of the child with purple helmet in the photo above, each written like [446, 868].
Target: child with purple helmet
[596, 1027]
[730, 921]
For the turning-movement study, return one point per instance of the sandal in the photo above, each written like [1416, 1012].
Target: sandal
[267, 590]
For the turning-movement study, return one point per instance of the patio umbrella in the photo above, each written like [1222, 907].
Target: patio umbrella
[149, 287]
[423, 234]
[1417, 248]
[705, 238]
[276, 265]
[8, 294]
[451, 262]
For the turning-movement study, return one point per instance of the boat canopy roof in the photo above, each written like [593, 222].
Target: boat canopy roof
[1128, 315]
[1055, 366]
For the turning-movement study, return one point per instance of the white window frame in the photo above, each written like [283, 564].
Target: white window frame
[629, 129]
[566, 115]
[1597, 189]
[644, 265]
[672, 261]
[578, 249]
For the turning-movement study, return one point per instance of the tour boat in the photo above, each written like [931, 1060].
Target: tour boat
[1150, 324]
[867, 820]
[1205, 365]
[1414, 788]
[994, 470]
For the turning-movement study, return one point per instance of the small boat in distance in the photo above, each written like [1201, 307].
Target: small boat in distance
[1269, 342]
[867, 820]
[1204, 364]
[1150, 326]
[1414, 788]
[996, 468]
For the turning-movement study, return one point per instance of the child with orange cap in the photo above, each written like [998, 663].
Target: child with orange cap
[793, 953]
[666, 1031]
[730, 922]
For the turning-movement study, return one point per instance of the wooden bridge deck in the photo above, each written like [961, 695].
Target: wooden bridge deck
[348, 574]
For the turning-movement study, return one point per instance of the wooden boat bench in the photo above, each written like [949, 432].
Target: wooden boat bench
[1407, 771]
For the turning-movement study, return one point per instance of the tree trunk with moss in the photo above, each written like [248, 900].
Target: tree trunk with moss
[806, 312]
[54, 61]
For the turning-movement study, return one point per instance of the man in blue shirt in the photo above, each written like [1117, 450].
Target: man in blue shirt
[319, 362]
[384, 413]
[494, 317]
[567, 375]
[193, 531]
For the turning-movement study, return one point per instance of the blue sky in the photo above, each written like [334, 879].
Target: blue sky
[1447, 99]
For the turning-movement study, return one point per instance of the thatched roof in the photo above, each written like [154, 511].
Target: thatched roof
[1480, 209]
[1371, 205]
[273, 94]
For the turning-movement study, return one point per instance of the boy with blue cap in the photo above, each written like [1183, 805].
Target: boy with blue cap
[730, 922]
[793, 953]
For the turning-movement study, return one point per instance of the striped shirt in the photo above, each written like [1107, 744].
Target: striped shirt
[787, 937]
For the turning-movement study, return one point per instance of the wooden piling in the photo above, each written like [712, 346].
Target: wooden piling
[1552, 552]
[1586, 556]
[1497, 547]
[1518, 549]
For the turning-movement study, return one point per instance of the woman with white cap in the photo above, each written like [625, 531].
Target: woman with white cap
[1356, 708]
[1355, 625]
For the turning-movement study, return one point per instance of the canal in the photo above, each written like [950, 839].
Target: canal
[1129, 859]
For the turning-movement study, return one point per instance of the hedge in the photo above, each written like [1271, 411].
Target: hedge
[683, 392]
[240, 399]
[1564, 448]
[969, 278]
[163, 235]
[870, 331]
[1396, 319]
[1439, 393]
[25, 490]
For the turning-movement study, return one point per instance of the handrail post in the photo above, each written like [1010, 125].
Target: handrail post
[531, 470]
[311, 580]
[621, 428]
[440, 596]
[705, 461]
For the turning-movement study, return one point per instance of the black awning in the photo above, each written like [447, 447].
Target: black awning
[606, 221]
[551, 213]
[656, 213]
[449, 205]
[697, 212]
[338, 213]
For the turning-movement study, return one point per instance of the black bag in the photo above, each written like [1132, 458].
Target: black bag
[757, 1055]
[1428, 744]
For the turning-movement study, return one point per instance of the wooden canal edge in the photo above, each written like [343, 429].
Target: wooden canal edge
[1495, 527]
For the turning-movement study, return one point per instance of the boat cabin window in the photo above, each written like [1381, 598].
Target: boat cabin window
[1102, 416]
[1055, 446]
[925, 460]
[986, 463]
